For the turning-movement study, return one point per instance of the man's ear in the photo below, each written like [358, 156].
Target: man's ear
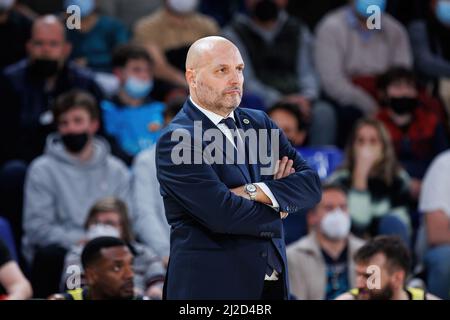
[90, 276]
[190, 77]
[398, 278]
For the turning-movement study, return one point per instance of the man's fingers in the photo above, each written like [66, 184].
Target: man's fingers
[283, 215]
[280, 171]
[287, 170]
[277, 167]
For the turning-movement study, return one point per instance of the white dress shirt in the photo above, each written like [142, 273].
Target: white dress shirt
[216, 118]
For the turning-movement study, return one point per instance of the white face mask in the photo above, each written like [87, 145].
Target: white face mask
[335, 225]
[6, 4]
[182, 6]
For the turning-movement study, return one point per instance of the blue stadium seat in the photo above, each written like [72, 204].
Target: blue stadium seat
[323, 159]
[7, 236]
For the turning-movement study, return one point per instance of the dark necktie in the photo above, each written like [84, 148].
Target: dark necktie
[273, 260]
[231, 124]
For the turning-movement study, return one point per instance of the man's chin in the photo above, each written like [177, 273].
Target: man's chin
[127, 295]
[127, 292]
[235, 104]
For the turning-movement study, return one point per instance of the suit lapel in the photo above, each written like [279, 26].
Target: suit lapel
[245, 124]
[196, 115]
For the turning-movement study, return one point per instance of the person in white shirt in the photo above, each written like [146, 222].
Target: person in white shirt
[434, 202]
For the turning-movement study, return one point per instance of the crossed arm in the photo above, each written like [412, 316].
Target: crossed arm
[284, 169]
[209, 201]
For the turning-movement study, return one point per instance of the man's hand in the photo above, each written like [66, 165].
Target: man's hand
[284, 168]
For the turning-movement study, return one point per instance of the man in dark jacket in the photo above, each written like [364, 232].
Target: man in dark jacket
[28, 88]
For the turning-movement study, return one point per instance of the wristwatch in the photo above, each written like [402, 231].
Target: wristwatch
[250, 189]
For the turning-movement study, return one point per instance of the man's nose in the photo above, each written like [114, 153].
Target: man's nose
[360, 282]
[71, 127]
[235, 78]
[46, 50]
[128, 273]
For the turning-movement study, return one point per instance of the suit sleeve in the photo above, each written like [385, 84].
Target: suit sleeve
[300, 190]
[197, 188]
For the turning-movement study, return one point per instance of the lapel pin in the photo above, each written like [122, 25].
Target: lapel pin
[246, 121]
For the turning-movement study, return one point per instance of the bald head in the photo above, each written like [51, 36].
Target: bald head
[48, 39]
[214, 72]
[203, 49]
[49, 23]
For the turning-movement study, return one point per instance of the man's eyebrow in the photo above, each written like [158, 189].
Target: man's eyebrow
[227, 65]
[118, 261]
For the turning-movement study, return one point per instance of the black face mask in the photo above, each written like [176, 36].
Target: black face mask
[265, 10]
[75, 142]
[403, 105]
[44, 68]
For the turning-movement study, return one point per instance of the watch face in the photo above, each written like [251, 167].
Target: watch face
[251, 188]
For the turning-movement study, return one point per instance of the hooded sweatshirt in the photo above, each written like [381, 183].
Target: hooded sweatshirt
[60, 190]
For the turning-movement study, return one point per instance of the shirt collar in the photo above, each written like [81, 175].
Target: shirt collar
[214, 117]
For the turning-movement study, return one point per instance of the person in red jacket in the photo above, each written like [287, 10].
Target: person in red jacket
[417, 132]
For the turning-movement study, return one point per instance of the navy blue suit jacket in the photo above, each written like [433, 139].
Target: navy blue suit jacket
[219, 240]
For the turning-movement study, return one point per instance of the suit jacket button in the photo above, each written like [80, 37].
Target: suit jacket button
[264, 254]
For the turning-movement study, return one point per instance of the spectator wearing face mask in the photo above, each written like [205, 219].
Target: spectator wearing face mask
[75, 171]
[417, 133]
[109, 217]
[168, 33]
[320, 264]
[132, 117]
[349, 56]
[378, 188]
[98, 35]
[29, 87]
[15, 30]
